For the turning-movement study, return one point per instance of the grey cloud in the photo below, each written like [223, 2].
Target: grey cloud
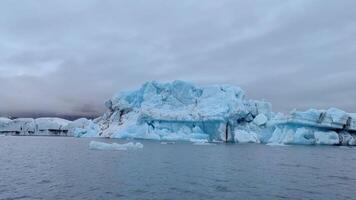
[68, 57]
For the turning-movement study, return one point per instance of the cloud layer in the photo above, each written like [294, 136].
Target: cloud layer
[68, 57]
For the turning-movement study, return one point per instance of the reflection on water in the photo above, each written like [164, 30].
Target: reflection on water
[65, 168]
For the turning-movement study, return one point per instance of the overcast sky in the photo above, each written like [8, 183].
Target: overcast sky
[68, 57]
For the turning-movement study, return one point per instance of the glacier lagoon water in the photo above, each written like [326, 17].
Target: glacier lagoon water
[65, 168]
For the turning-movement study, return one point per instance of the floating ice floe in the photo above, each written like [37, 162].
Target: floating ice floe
[201, 142]
[170, 142]
[95, 145]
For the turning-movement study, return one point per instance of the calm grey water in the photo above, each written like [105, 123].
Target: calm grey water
[64, 168]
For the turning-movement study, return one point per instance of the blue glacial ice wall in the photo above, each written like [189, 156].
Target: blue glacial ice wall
[184, 111]
[330, 127]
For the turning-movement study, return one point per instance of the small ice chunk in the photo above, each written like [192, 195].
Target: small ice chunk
[260, 119]
[202, 143]
[198, 140]
[274, 144]
[95, 145]
[326, 137]
[167, 142]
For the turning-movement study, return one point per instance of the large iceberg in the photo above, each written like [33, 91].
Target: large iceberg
[183, 111]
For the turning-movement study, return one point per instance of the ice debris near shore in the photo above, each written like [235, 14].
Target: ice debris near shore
[95, 145]
[184, 111]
